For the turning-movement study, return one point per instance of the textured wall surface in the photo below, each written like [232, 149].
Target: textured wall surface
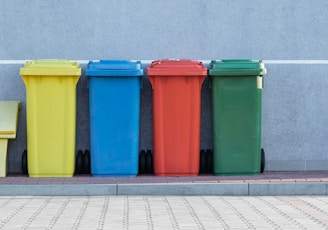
[294, 118]
[294, 97]
[147, 29]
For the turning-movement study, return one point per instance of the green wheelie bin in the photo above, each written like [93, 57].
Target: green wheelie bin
[237, 104]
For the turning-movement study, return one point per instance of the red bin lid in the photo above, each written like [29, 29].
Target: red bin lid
[176, 67]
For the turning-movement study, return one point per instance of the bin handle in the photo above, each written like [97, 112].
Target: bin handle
[259, 82]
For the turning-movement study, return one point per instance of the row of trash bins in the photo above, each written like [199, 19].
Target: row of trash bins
[114, 97]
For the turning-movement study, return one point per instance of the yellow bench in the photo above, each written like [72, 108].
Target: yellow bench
[8, 127]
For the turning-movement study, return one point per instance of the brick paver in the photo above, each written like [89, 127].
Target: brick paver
[164, 212]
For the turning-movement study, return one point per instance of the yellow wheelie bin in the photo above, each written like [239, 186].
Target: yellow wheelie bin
[51, 116]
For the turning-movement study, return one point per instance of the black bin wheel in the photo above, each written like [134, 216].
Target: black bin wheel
[86, 162]
[79, 162]
[262, 160]
[202, 162]
[149, 162]
[142, 162]
[24, 162]
[209, 161]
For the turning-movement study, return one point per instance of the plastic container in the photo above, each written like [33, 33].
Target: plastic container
[237, 99]
[114, 92]
[8, 127]
[51, 116]
[176, 115]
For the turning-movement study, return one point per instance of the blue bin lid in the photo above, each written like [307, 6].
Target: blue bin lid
[114, 68]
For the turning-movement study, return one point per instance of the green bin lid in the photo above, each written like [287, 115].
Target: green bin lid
[237, 68]
[50, 68]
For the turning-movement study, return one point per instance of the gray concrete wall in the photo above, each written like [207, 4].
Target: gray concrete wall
[294, 96]
[295, 117]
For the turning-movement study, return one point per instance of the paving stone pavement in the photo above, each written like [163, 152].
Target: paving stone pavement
[163, 212]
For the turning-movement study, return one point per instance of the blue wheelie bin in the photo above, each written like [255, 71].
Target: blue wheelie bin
[114, 101]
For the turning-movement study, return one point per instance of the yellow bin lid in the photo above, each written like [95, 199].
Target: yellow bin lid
[51, 67]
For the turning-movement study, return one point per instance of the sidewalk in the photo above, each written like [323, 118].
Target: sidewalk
[268, 183]
[164, 212]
